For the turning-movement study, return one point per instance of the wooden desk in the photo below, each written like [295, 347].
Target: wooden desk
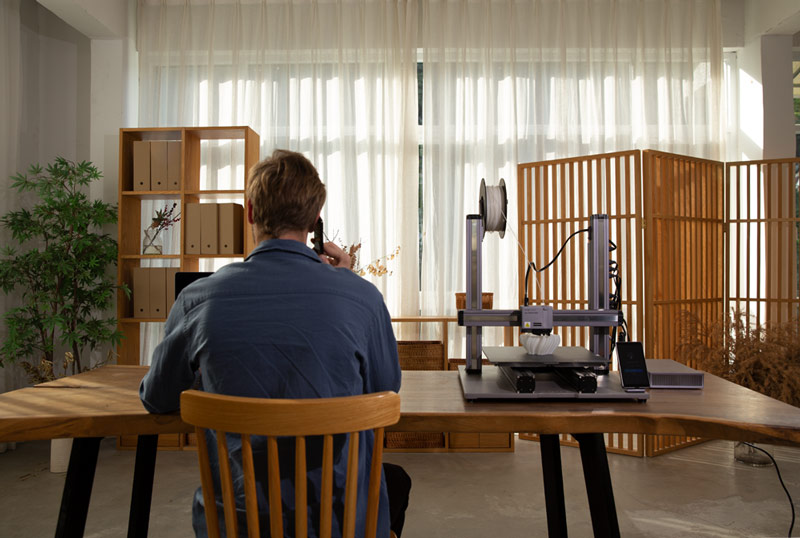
[433, 401]
[89, 406]
[105, 402]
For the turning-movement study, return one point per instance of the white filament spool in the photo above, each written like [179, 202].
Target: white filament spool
[493, 207]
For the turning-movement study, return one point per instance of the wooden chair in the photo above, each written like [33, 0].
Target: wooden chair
[298, 418]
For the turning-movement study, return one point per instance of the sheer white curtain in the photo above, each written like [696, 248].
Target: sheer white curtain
[10, 106]
[333, 79]
[511, 81]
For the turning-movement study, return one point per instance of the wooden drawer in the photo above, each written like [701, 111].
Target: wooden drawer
[465, 440]
[480, 442]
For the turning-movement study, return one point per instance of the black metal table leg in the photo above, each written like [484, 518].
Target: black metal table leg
[553, 485]
[598, 484]
[78, 487]
[142, 494]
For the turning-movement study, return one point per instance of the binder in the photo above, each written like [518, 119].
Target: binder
[191, 228]
[141, 165]
[158, 292]
[173, 165]
[209, 229]
[231, 223]
[140, 289]
[158, 165]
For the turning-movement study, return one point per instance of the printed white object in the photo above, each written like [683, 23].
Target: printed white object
[539, 344]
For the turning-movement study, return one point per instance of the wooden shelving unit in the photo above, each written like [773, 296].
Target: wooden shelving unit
[130, 209]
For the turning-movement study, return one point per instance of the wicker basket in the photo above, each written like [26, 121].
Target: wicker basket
[418, 355]
[421, 355]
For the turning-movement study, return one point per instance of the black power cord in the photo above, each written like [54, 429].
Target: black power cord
[615, 300]
[532, 264]
[775, 463]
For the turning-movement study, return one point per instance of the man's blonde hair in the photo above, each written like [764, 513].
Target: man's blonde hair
[286, 193]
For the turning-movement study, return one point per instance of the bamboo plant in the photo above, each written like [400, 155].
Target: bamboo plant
[60, 268]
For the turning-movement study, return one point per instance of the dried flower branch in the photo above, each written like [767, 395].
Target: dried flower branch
[378, 267]
[165, 218]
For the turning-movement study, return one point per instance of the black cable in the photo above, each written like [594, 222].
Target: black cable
[775, 463]
[615, 299]
[532, 264]
[623, 333]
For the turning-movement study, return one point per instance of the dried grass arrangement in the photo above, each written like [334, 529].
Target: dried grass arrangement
[764, 358]
[377, 267]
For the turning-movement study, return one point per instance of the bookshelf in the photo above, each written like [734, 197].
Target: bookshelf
[194, 141]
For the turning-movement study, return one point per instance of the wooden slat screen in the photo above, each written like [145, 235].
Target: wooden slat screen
[764, 233]
[555, 199]
[656, 445]
[685, 257]
[688, 261]
[628, 444]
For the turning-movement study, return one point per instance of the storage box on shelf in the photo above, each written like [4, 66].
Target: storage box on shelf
[164, 165]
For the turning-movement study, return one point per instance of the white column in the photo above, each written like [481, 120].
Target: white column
[776, 80]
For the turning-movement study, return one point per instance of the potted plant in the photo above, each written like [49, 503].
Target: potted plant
[59, 269]
[764, 358]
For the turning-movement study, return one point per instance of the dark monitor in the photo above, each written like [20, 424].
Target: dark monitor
[184, 278]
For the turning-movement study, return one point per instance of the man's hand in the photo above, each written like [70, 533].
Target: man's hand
[335, 256]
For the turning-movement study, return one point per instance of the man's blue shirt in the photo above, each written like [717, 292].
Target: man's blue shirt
[280, 324]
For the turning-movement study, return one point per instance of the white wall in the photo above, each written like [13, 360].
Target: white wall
[751, 97]
[96, 19]
[732, 15]
[774, 17]
[765, 78]
[56, 74]
[74, 93]
[776, 78]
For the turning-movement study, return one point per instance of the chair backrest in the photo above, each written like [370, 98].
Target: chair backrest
[275, 418]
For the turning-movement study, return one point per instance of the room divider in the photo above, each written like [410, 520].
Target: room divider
[689, 235]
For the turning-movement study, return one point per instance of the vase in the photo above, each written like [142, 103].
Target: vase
[60, 450]
[152, 244]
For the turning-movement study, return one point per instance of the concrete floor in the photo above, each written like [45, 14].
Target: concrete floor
[698, 491]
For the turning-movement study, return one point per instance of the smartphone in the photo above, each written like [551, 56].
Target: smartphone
[319, 237]
[632, 366]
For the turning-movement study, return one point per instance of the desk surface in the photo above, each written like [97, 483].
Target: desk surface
[105, 402]
[97, 403]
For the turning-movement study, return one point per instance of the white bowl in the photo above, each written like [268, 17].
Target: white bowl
[540, 344]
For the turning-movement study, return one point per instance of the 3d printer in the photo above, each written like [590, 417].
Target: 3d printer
[566, 373]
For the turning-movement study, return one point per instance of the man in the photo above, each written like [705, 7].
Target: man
[284, 323]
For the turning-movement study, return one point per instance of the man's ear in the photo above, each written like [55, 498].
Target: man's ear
[249, 212]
